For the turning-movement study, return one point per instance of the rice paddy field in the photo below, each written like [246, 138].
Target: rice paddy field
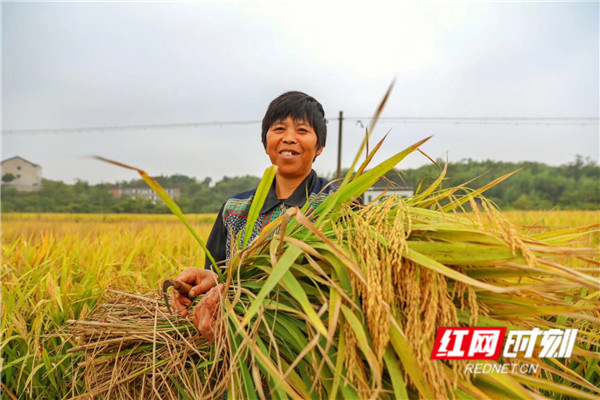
[55, 267]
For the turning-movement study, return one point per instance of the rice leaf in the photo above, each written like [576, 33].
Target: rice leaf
[398, 384]
[283, 265]
[363, 342]
[450, 273]
[477, 192]
[257, 202]
[370, 156]
[169, 202]
[296, 290]
[409, 360]
[462, 253]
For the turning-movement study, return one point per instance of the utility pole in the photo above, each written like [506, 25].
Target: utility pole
[339, 159]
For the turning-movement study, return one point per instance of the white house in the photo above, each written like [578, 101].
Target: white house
[380, 188]
[144, 192]
[22, 174]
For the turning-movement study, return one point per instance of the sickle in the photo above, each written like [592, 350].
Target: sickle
[181, 287]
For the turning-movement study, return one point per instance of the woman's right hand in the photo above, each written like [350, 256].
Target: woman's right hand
[207, 312]
[202, 280]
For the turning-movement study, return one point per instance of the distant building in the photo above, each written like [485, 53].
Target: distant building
[19, 173]
[143, 192]
[385, 189]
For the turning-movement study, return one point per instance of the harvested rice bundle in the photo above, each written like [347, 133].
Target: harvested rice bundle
[132, 347]
[352, 309]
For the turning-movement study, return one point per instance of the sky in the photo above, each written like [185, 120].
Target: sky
[82, 65]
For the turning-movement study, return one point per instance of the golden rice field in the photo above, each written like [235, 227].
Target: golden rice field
[55, 267]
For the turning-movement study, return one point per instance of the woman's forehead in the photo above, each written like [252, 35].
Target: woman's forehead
[296, 120]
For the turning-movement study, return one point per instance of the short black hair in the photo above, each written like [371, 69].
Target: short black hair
[297, 105]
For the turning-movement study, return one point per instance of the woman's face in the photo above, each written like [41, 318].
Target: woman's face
[292, 147]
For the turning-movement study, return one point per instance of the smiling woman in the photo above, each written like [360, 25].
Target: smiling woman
[294, 132]
[292, 146]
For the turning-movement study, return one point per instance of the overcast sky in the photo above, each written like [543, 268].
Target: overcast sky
[71, 65]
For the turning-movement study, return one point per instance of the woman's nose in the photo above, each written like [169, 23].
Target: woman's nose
[289, 137]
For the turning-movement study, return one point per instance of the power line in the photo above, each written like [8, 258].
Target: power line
[126, 127]
[489, 120]
[582, 121]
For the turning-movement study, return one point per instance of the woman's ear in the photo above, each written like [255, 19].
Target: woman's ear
[318, 153]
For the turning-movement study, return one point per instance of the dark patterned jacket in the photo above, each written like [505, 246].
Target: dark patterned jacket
[233, 215]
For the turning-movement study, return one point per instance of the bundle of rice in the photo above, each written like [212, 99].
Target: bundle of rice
[131, 347]
[346, 303]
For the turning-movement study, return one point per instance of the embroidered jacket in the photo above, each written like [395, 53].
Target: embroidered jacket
[233, 215]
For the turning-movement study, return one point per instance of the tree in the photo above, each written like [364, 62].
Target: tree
[523, 203]
[8, 177]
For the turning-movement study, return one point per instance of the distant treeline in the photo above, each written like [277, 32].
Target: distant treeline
[196, 196]
[537, 186]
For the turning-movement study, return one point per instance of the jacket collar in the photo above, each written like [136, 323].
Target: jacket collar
[297, 199]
